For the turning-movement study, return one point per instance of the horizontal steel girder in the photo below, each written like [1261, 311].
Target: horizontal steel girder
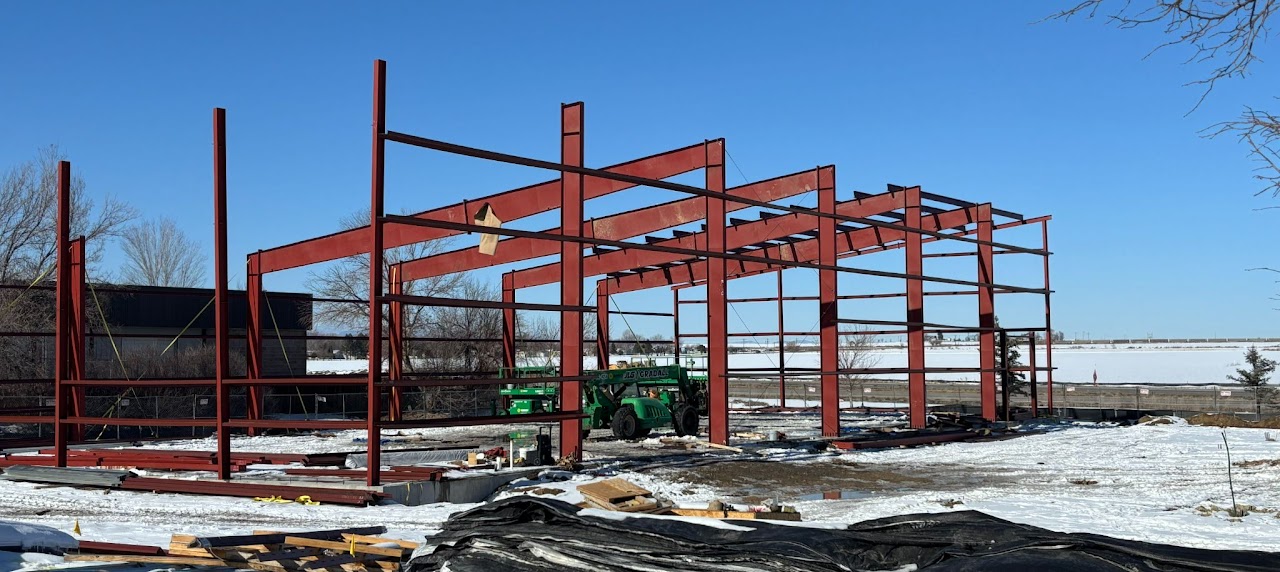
[614, 227]
[509, 206]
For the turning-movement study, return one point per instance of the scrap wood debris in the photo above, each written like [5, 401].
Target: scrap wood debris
[344, 550]
[624, 496]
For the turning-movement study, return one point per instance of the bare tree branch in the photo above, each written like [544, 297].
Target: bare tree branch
[158, 253]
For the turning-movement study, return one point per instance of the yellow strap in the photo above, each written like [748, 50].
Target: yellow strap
[29, 287]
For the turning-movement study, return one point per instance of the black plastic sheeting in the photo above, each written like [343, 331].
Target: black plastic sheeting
[526, 533]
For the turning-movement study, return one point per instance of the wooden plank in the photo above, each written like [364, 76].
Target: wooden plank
[405, 544]
[737, 514]
[287, 554]
[344, 546]
[265, 537]
[182, 560]
[612, 490]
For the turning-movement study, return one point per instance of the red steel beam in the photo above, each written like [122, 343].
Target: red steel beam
[916, 398]
[736, 236]
[782, 349]
[614, 227]
[509, 206]
[395, 343]
[62, 312]
[828, 306]
[602, 325]
[76, 334]
[717, 307]
[221, 326]
[508, 322]
[803, 250]
[373, 392]
[571, 199]
[986, 317]
[253, 339]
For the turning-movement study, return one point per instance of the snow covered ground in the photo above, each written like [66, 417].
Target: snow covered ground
[1160, 483]
[1191, 363]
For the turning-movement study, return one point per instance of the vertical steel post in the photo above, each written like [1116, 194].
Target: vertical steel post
[1035, 397]
[828, 304]
[717, 304]
[571, 153]
[395, 343]
[220, 348]
[254, 299]
[986, 316]
[62, 313]
[373, 392]
[1005, 406]
[914, 251]
[76, 337]
[508, 321]
[782, 350]
[602, 324]
[675, 323]
[1048, 324]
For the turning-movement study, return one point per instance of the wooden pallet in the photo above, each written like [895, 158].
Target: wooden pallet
[347, 550]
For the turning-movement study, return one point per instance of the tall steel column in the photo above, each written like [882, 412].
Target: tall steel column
[571, 153]
[76, 337]
[675, 323]
[508, 322]
[395, 343]
[253, 339]
[828, 305]
[1048, 323]
[602, 325]
[221, 326]
[1035, 397]
[373, 391]
[717, 305]
[986, 316]
[782, 350]
[61, 313]
[916, 392]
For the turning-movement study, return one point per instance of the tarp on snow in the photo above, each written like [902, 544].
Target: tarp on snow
[527, 533]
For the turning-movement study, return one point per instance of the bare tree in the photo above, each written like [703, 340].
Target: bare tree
[158, 253]
[857, 351]
[349, 279]
[28, 217]
[1222, 33]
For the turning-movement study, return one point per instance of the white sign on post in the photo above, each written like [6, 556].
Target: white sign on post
[1225, 393]
[866, 390]
[1144, 391]
[1069, 388]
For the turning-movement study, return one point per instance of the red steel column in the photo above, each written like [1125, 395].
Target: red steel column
[253, 338]
[76, 337]
[373, 472]
[395, 343]
[602, 324]
[1035, 398]
[717, 304]
[916, 392]
[1048, 324]
[61, 313]
[220, 347]
[828, 305]
[571, 153]
[986, 316]
[675, 324]
[782, 350]
[508, 321]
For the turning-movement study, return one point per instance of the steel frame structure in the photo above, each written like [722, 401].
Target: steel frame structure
[623, 256]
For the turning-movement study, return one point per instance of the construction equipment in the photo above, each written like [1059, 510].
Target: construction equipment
[526, 398]
[664, 396]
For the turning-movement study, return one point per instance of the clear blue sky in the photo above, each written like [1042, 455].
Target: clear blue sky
[1153, 225]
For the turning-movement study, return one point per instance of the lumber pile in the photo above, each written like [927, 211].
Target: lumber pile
[620, 495]
[342, 550]
[723, 514]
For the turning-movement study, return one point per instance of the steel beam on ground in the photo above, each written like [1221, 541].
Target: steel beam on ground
[986, 317]
[916, 398]
[375, 243]
[828, 306]
[222, 348]
[62, 312]
[620, 226]
[571, 198]
[509, 206]
[717, 308]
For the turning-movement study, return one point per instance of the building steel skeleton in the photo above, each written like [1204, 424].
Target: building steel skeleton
[782, 237]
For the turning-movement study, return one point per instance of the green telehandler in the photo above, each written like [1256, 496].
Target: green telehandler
[663, 396]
